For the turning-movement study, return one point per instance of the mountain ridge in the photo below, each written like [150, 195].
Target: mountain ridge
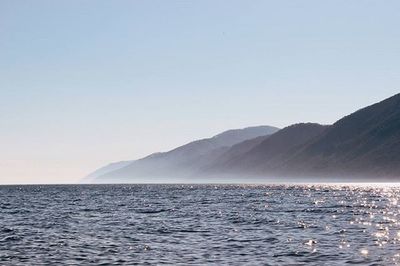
[178, 160]
[363, 145]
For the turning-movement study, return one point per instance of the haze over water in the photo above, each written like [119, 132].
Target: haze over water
[200, 224]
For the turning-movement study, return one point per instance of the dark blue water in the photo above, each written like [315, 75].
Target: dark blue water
[199, 224]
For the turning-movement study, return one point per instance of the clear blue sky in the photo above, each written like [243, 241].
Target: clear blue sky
[84, 83]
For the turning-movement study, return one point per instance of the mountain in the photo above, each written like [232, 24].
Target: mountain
[104, 170]
[363, 144]
[264, 155]
[184, 159]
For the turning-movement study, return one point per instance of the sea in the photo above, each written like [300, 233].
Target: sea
[184, 224]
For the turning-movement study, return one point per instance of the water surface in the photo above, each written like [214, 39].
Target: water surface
[199, 224]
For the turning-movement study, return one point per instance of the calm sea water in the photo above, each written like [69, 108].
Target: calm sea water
[199, 224]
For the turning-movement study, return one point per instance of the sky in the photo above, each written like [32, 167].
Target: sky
[85, 83]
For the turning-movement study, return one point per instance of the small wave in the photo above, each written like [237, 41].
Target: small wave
[152, 211]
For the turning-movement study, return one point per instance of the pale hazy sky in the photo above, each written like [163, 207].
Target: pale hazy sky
[84, 83]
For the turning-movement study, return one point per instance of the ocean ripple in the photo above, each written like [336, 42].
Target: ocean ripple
[199, 224]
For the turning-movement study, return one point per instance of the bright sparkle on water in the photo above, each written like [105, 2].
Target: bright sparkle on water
[200, 224]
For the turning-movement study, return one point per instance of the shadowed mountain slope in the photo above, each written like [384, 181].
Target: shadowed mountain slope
[365, 143]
